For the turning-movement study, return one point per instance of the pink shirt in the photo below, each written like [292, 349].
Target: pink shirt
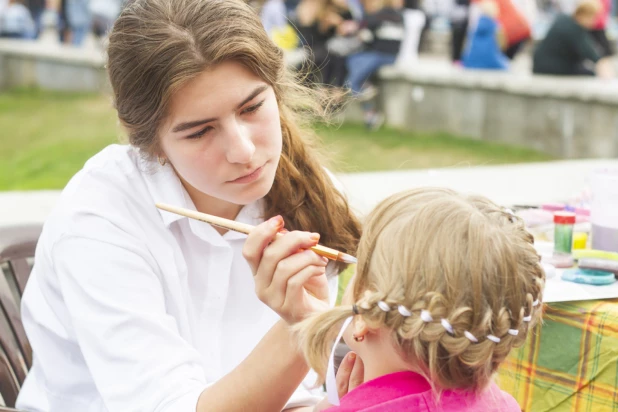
[410, 392]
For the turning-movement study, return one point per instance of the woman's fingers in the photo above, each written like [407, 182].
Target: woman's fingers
[258, 239]
[297, 302]
[293, 265]
[274, 258]
[318, 286]
[285, 291]
[282, 264]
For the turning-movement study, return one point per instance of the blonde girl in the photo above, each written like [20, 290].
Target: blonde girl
[446, 286]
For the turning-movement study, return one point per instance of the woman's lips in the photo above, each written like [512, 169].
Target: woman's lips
[251, 177]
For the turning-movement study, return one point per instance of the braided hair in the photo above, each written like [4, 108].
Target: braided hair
[455, 278]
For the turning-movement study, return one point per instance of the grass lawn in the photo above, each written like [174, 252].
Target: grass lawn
[47, 137]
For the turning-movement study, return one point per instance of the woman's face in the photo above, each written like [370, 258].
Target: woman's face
[223, 137]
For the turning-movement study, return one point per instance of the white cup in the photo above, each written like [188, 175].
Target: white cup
[604, 209]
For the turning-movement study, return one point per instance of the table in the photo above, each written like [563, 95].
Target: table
[570, 363]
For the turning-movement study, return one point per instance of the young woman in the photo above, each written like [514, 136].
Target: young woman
[130, 308]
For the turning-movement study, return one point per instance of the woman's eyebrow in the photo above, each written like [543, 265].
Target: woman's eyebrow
[189, 125]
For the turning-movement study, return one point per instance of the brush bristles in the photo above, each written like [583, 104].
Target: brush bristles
[344, 257]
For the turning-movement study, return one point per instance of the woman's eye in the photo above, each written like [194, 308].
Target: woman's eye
[200, 133]
[248, 110]
[253, 109]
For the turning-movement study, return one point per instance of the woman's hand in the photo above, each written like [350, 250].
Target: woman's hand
[290, 279]
[351, 373]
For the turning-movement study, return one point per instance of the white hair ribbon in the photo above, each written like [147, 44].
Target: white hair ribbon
[471, 337]
[331, 381]
[446, 325]
[426, 316]
[404, 311]
[384, 306]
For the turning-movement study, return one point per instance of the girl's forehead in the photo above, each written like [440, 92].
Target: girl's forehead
[224, 84]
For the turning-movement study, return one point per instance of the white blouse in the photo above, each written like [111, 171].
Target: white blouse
[129, 308]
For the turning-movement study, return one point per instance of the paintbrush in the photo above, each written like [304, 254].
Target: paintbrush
[327, 252]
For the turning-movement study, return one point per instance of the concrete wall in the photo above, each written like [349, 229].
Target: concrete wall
[565, 117]
[50, 66]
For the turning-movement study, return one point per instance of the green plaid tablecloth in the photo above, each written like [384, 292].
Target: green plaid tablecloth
[570, 363]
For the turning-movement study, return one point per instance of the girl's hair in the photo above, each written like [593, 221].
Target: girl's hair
[157, 46]
[462, 259]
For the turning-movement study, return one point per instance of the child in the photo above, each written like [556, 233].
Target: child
[483, 51]
[446, 285]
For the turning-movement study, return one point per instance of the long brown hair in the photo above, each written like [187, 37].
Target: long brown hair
[157, 46]
[460, 258]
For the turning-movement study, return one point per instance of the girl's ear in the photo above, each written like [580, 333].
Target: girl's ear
[359, 327]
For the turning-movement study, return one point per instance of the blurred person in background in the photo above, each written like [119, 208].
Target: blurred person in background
[313, 32]
[527, 14]
[356, 8]
[274, 17]
[64, 35]
[516, 28]
[104, 13]
[568, 48]
[459, 19]
[78, 21]
[382, 30]
[317, 22]
[16, 21]
[483, 50]
[291, 6]
[414, 19]
[598, 31]
[37, 7]
[273, 14]
[344, 42]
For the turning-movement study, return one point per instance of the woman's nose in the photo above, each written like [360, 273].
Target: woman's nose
[240, 148]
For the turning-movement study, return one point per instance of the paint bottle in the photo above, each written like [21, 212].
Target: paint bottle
[563, 232]
[580, 240]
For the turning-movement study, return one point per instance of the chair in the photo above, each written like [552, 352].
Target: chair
[17, 245]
